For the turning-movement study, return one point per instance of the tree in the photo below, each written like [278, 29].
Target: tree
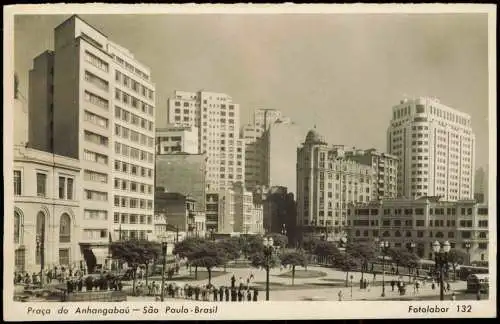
[345, 262]
[231, 250]
[326, 249]
[364, 252]
[252, 245]
[294, 259]
[457, 257]
[184, 248]
[207, 255]
[135, 253]
[279, 239]
[409, 260]
[398, 256]
[309, 244]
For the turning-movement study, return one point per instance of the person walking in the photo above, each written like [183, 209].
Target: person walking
[215, 293]
[240, 295]
[341, 295]
[393, 283]
[453, 296]
[255, 294]
[249, 295]
[226, 292]
[221, 293]
[448, 286]
[233, 281]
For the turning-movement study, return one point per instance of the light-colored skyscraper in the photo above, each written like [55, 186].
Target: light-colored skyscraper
[327, 182]
[271, 142]
[218, 120]
[100, 111]
[436, 148]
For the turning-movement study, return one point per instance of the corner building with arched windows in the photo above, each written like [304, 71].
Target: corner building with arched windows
[47, 214]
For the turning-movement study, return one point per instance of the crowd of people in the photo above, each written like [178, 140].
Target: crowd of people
[59, 274]
[208, 292]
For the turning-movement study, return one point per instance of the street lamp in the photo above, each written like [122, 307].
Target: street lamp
[268, 252]
[164, 252]
[467, 247]
[283, 232]
[441, 258]
[384, 245]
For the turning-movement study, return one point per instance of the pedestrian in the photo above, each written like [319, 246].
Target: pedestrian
[417, 285]
[433, 285]
[233, 280]
[197, 293]
[226, 292]
[393, 283]
[478, 294]
[249, 295]
[448, 286]
[341, 295]
[240, 295]
[234, 296]
[365, 283]
[374, 276]
[248, 283]
[215, 293]
[453, 296]
[255, 294]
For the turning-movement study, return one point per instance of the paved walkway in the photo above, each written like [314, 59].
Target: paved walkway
[328, 286]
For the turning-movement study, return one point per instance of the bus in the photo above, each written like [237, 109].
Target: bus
[478, 281]
[465, 271]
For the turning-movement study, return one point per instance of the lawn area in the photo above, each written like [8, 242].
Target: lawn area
[261, 285]
[303, 274]
[202, 275]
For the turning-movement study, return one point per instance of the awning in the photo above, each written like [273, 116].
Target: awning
[101, 254]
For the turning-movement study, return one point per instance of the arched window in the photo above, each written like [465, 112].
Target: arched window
[386, 234]
[17, 227]
[65, 229]
[397, 234]
[40, 236]
[358, 233]
[408, 234]
[439, 234]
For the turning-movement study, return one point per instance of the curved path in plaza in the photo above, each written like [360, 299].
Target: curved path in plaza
[321, 288]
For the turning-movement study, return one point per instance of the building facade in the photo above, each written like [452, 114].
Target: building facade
[326, 183]
[175, 212]
[481, 185]
[436, 148]
[182, 173]
[280, 213]
[218, 120]
[385, 171]
[422, 222]
[47, 215]
[101, 111]
[177, 139]
[271, 142]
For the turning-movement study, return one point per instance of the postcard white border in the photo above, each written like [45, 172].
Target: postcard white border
[15, 311]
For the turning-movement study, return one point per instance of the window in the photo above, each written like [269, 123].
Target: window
[96, 119]
[64, 258]
[17, 227]
[62, 185]
[97, 81]
[96, 138]
[96, 195]
[96, 100]
[65, 229]
[40, 235]
[95, 157]
[41, 184]
[93, 176]
[17, 182]
[95, 61]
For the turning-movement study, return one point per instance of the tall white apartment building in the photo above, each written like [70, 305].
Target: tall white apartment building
[218, 120]
[436, 149]
[101, 111]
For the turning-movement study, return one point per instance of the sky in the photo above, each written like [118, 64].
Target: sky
[340, 72]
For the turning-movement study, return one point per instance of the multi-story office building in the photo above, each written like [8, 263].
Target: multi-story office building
[422, 222]
[100, 108]
[47, 214]
[271, 142]
[436, 149]
[248, 216]
[481, 185]
[217, 120]
[177, 139]
[326, 183]
[384, 167]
